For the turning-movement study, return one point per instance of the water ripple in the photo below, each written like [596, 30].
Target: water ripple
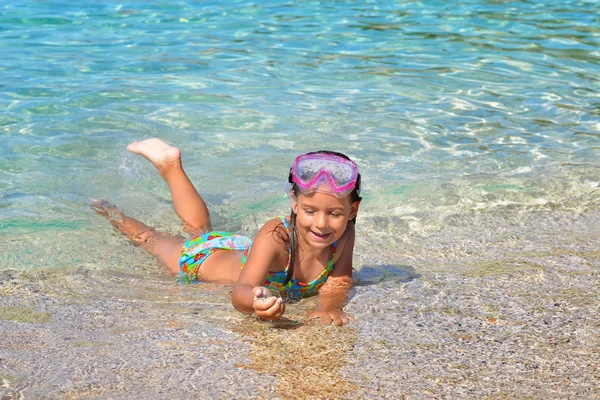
[416, 92]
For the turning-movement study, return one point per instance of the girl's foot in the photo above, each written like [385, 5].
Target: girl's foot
[140, 234]
[107, 210]
[162, 155]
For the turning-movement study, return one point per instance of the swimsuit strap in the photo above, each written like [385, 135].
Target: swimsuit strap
[284, 220]
[331, 255]
[325, 273]
[287, 226]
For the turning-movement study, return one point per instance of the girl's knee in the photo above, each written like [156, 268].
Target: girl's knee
[146, 238]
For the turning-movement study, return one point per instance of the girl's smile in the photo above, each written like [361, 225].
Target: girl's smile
[319, 237]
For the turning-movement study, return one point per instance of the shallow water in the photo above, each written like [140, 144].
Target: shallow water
[475, 127]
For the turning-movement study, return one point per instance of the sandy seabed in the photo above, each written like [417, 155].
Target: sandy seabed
[504, 313]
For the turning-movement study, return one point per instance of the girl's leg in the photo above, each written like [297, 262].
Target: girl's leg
[162, 245]
[187, 202]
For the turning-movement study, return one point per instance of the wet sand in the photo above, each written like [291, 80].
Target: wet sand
[484, 307]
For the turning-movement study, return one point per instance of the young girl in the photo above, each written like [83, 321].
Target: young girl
[306, 253]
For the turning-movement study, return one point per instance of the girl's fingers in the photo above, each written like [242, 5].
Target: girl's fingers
[260, 292]
[280, 307]
[328, 318]
[270, 308]
[264, 303]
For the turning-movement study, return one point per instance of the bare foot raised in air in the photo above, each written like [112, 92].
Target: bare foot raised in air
[162, 155]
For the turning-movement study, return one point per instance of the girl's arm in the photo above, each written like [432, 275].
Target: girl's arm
[333, 295]
[249, 296]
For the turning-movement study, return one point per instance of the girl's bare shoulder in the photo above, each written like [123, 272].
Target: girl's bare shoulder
[274, 231]
[270, 246]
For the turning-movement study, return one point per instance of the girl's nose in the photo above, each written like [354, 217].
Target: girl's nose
[321, 221]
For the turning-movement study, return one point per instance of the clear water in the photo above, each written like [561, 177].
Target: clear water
[446, 107]
[470, 121]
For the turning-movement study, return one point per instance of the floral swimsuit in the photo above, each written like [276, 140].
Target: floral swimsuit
[198, 248]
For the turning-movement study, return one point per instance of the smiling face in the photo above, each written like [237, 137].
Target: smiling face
[321, 218]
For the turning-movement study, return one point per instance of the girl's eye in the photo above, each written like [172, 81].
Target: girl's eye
[309, 212]
[335, 215]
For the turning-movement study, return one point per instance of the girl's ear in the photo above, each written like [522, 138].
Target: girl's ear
[293, 202]
[354, 209]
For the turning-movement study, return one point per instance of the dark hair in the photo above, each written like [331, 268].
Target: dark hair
[293, 235]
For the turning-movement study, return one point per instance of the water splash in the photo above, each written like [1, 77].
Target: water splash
[134, 167]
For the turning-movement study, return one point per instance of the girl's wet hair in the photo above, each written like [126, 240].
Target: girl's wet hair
[293, 235]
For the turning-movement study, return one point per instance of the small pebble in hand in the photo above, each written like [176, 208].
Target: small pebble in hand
[274, 293]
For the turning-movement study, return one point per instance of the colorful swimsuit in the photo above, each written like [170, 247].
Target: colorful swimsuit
[294, 289]
[198, 248]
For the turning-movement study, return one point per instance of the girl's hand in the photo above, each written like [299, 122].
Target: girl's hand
[337, 317]
[267, 306]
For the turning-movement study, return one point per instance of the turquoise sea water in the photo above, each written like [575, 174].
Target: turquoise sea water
[448, 108]
[475, 125]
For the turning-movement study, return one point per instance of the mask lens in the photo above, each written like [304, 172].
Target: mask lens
[341, 172]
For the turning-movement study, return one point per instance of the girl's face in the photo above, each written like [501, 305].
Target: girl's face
[321, 218]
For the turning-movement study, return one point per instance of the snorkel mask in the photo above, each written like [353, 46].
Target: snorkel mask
[324, 173]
